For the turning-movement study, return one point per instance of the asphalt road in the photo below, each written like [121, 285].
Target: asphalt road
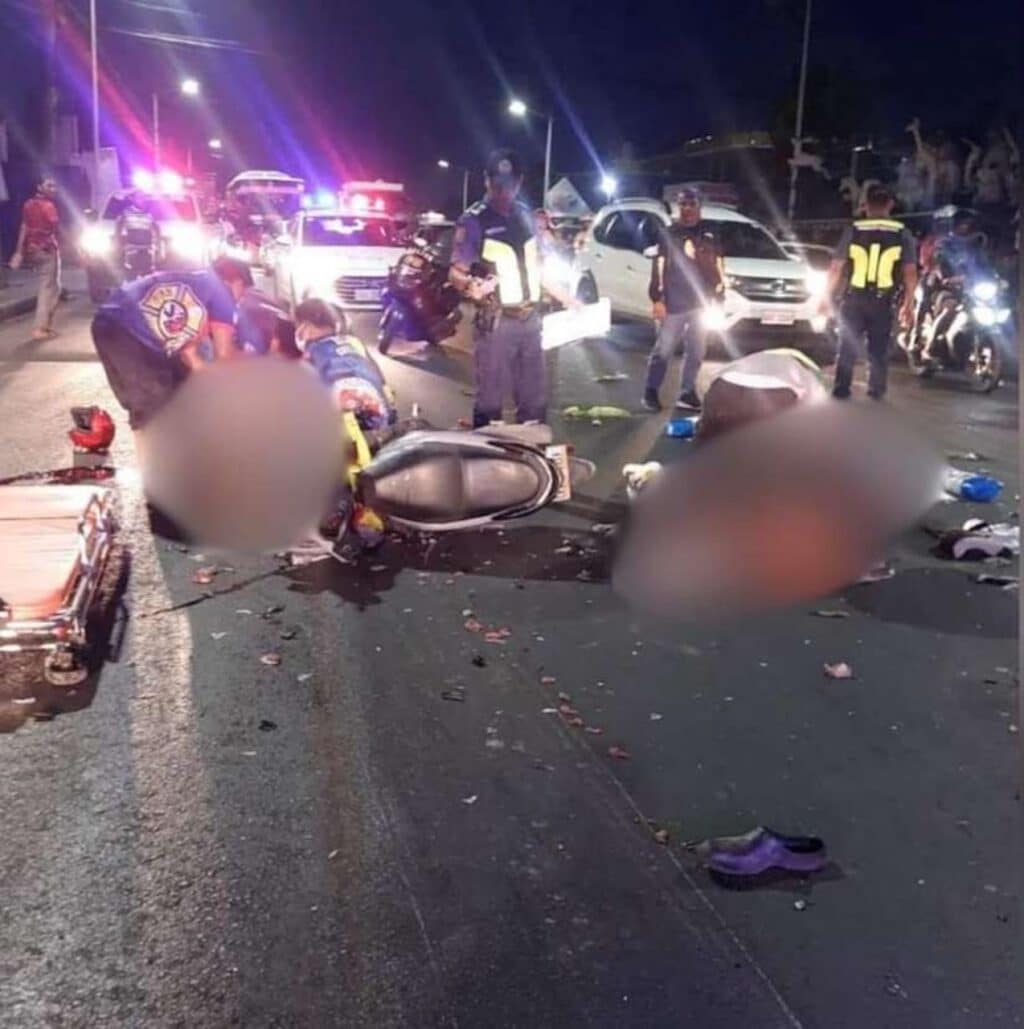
[199, 839]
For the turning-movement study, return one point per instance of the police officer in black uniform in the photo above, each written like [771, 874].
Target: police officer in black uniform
[874, 262]
[496, 262]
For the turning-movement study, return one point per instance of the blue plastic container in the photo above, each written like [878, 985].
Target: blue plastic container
[681, 428]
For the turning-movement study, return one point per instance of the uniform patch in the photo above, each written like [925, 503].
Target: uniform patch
[174, 314]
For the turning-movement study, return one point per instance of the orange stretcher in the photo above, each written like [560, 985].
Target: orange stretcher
[54, 544]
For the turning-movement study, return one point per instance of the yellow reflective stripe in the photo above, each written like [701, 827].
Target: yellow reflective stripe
[886, 265]
[531, 258]
[859, 259]
[873, 254]
[879, 223]
[506, 266]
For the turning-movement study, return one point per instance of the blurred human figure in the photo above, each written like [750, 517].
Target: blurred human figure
[909, 186]
[926, 159]
[948, 177]
[874, 262]
[38, 248]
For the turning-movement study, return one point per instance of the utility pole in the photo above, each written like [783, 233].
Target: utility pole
[95, 105]
[798, 136]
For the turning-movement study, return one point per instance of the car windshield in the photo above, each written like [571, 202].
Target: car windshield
[336, 231]
[744, 239]
[162, 208]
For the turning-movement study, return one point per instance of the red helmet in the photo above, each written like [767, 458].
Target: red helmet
[94, 429]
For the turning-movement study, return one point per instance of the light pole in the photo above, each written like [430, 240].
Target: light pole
[444, 166]
[609, 186]
[94, 62]
[518, 109]
[798, 139]
[187, 87]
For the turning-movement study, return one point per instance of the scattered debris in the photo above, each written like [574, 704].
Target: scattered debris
[1006, 582]
[594, 730]
[619, 753]
[612, 377]
[217, 635]
[655, 717]
[574, 722]
[564, 698]
[333, 854]
[980, 489]
[832, 613]
[204, 576]
[378, 568]
[479, 661]
[598, 411]
[978, 540]
[549, 710]
[23, 700]
[242, 611]
[800, 905]
[603, 528]
[467, 612]
[547, 680]
[969, 456]
[274, 609]
[497, 635]
[879, 573]
[494, 743]
[266, 725]
[1011, 728]
[304, 676]
[661, 836]
[472, 625]
[287, 634]
[271, 658]
[457, 694]
[893, 987]
[469, 800]
[840, 670]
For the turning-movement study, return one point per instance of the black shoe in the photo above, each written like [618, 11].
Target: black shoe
[688, 400]
[651, 401]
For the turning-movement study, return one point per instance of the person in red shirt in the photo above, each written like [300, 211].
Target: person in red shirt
[39, 250]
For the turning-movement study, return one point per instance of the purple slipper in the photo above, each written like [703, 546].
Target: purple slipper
[760, 849]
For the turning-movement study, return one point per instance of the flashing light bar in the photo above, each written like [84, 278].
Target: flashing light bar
[165, 182]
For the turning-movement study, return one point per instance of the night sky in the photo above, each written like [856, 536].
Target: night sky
[387, 88]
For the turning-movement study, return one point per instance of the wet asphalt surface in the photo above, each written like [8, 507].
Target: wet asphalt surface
[391, 828]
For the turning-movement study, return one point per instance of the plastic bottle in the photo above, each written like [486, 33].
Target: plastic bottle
[681, 428]
[981, 489]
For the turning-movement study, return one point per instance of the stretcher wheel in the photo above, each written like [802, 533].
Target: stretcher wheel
[64, 668]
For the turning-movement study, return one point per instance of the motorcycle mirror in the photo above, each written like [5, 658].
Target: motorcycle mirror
[651, 251]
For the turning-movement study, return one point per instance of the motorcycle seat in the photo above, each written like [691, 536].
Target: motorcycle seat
[434, 478]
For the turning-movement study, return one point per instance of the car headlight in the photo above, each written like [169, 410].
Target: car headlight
[96, 241]
[985, 291]
[816, 281]
[186, 240]
[1002, 315]
[984, 315]
[713, 318]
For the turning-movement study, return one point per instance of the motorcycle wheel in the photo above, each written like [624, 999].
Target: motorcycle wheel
[986, 365]
[921, 368]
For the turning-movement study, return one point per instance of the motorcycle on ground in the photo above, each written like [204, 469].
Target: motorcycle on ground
[966, 329]
[419, 301]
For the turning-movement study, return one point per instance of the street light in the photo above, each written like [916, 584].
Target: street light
[444, 165]
[518, 109]
[215, 144]
[187, 87]
[609, 185]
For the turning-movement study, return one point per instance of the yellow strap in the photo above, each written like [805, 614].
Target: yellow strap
[879, 223]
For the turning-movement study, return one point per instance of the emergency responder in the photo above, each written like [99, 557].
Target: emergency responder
[496, 262]
[874, 262]
[149, 332]
[687, 277]
[136, 235]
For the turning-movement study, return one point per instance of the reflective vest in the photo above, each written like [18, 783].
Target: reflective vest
[875, 253]
[510, 245]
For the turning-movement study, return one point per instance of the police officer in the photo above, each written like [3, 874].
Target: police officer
[150, 333]
[496, 262]
[874, 260]
[686, 277]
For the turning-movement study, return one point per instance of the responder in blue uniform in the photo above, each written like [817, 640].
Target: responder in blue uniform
[150, 332]
[874, 262]
[496, 262]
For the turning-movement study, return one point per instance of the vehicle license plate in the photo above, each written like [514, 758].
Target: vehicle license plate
[367, 296]
[777, 318]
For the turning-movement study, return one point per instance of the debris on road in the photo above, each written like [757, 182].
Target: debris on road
[799, 905]
[598, 411]
[547, 680]
[661, 836]
[840, 670]
[612, 377]
[594, 730]
[242, 611]
[832, 613]
[497, 635]
[271, 658]
[603, 528]
[479, 661]
[266, 725]
[473, 625]
[333, 854]
[618, 753]
[655, 717]
[879, 573]
[970, 455]
[979, 540]
[456, 694]
[470, 800]
[287, 634]
[1006, 582]
[979, 489]
[217, 635]
[304, 676]
[204, 576]
[274, 609]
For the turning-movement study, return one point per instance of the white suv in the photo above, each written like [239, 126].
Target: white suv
[765, 288]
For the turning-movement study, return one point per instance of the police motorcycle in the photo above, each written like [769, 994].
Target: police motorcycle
[419, 301]
[967, 328]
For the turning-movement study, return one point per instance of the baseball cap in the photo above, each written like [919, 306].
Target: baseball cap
[504, 166]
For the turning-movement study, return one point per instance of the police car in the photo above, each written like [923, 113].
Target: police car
[183, 236]
[767, 290]
[341, 253]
